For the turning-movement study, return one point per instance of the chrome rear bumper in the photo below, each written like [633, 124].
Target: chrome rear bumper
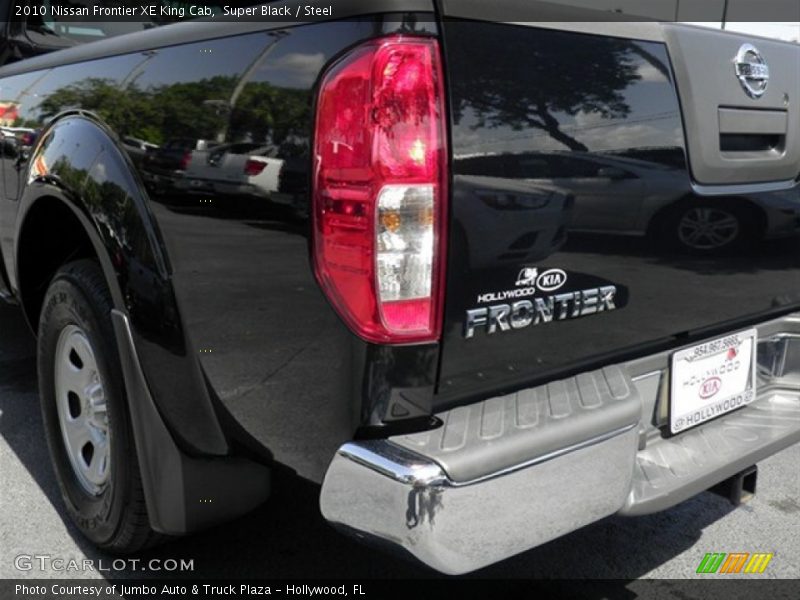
[385, 492]
[497, 478]
[511, 473]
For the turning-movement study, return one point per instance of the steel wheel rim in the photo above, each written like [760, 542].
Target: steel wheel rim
[708, 228]
[82, 413]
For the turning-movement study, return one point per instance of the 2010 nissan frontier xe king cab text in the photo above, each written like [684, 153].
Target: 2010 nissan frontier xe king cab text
[485, 283]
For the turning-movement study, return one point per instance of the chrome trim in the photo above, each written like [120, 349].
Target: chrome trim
[745, 188]
[405, 466]
[751, 71]
[648, 375]
[394, 462]
[387, 494]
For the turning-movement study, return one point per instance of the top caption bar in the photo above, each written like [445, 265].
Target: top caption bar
[165, 11]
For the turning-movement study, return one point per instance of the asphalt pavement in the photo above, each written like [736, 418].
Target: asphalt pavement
[287, 537]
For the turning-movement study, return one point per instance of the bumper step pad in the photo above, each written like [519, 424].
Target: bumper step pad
[530, 425]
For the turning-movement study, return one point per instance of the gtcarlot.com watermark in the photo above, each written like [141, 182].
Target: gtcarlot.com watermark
[47, 563]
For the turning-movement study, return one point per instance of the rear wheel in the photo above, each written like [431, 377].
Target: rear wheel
[85, 412]
[81, 405]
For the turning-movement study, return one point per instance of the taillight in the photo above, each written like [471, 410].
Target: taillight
[253, 167]
[185, 160]
[380, 189]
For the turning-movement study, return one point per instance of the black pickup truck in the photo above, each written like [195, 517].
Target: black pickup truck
[495, 281]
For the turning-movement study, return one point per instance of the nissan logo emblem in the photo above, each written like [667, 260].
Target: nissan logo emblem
[752, 70]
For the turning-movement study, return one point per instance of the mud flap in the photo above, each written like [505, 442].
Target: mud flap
[183, 493]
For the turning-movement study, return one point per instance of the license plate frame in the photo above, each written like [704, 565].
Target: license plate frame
[712, 379]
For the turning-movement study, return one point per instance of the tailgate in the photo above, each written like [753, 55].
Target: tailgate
[617, 189]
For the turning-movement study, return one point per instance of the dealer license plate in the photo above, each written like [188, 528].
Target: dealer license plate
[711, 379]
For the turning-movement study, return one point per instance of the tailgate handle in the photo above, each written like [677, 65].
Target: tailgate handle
[753, 122]
[755, 132]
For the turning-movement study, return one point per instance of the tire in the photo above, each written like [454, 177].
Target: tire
[707, 228]
[85, 413]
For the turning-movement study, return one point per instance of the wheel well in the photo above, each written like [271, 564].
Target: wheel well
[51, 236]
[759, 216]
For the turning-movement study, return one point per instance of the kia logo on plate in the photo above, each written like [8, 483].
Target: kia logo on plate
[710, 387]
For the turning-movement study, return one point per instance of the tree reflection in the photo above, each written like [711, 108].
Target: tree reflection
[539, 84]
[188, 110]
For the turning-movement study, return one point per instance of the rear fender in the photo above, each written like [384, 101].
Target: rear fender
[78, 162]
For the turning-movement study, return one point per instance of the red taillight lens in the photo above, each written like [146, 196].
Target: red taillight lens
[253, 167]
[185, 160]
[380, 189]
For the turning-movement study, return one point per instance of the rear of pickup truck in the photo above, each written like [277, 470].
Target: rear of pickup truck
[604, 240]
[535, 272]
